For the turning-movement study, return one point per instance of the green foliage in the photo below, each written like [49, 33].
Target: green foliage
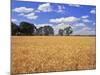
[61, 32]
[14, 29]
[40, 31]
[46, 30]
[68, 30]
[27, 28]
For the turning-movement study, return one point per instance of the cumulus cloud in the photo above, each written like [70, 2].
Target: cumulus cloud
[14, 20]
[55, 27]
[23, 10]
[45, 7]
[70, 19]
[59, 26]
[41, 25]
[74, 5]
[94, 23]
[85, 16]
[60, 9]
[29, 16]
[93, 11]
[78, 28]
[84, 31]
[64, 19]
[79, 25]
[86, 20]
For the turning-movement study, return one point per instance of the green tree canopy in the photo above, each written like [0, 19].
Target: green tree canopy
[68, 30]
[14, 29]
[27, 28]
[46, 30]
[61, 32]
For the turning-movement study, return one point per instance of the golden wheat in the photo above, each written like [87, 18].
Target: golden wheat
[52, 53]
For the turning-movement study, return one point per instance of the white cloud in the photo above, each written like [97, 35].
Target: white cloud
[85, 16]
[75, 5]
[84, 32]
[41, 25]
[29, 16]
[86, 20]
[48, 8]
[94, 23]
[86, 28]
[14, 20]
[45, 7]
[79, 25]
[23, 10]
[93, 11]
[37, 11]
[64, 20]
[59, 26]
[79, 28]
[60, 9]
[55, 27]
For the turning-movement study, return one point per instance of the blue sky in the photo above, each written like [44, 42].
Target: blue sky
[81, 18]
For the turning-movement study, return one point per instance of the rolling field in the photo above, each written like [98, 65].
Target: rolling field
[52, 53]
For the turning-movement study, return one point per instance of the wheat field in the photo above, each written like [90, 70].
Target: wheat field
[32, 54]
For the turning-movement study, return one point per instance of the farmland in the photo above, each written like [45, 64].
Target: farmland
[52, 53]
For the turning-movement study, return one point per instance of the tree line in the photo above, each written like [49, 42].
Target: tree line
[25, 28]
